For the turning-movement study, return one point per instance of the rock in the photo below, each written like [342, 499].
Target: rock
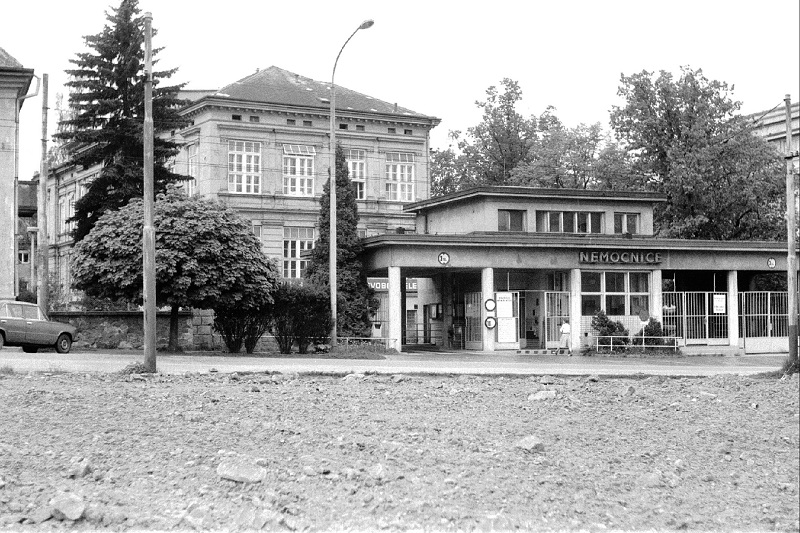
[241, 471]
[79, 470]
[197, 516]
[252, 518]
[397, 378]
[530, 444]
[125, 345]
[593, 378]
[377, 472]
[42, 514]
[353, 378]
[630, 391]
[708, 395]
[11, 518]
[547, 380]
[67, 506]
[543, 395]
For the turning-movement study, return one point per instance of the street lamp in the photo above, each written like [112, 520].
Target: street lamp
[332, 186]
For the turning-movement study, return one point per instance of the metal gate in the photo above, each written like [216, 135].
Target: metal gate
[556, 311]
[697, 317]
[764, 321]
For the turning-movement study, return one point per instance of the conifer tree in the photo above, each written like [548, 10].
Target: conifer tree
[356, 301]
[106, 121]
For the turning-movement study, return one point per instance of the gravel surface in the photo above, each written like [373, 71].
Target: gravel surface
[292, 453]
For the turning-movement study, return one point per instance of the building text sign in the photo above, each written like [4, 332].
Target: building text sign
[621, 258]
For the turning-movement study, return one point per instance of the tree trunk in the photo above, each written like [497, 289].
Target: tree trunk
[173, 345]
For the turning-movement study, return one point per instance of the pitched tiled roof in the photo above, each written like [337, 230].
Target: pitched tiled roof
[6, 61]
[277, 86]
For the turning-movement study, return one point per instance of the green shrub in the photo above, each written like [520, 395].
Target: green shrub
[301, 315]
[241, 327]
[790, 366]
[605, 328]
[651, 329]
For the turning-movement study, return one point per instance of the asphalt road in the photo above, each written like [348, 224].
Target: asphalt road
[426, 363]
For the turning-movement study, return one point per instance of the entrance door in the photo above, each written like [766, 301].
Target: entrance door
[764, 321]
[556, 311]
[412, 335]
[473, 330]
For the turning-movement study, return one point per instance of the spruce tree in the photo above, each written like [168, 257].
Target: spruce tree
[356, 301]
[106, 122]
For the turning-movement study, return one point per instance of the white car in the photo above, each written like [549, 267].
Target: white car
[25, 324]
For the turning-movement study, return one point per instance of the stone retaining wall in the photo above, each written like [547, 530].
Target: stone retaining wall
[123, 329]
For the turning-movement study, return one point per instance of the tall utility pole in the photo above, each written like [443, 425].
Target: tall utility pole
[791, 227]
[149, 232]
[41, 208]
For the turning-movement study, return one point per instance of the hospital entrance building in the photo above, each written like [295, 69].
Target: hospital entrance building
[501, 268]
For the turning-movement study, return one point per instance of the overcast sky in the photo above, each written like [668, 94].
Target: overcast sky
[436, 57]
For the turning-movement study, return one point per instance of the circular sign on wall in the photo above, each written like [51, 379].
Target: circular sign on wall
[490, 305]
[444, 258]
[771, 262]
[490, 322]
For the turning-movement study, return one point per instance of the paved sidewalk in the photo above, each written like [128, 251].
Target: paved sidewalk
[478, 363]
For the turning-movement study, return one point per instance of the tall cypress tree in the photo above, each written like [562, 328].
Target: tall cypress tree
[356, 298]
[107, 118]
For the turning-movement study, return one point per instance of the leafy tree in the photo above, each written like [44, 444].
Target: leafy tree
[503, 139]
[721, 181]
[106, 118]
[356, 298]
[446, 172]
[221, 266]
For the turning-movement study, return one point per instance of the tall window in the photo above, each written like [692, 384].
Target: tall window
[615, 292]
[510, 220]
[298, 169]
[626, 223]
[400, 176]
[244, 167]
[569, 222]
[190, 185]
[357, 165]
[295, 241]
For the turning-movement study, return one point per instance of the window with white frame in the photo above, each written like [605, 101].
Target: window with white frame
[193, 165]
[298, 169]
[569, 222]
[23, 256]
[244, 167]
[66, 210]
[295, 242]
[357, 165]
[400, 176]
[510, 220]
[626, 223]
[618, 293]
[256, 227]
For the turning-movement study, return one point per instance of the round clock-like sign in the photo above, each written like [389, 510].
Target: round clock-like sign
[490, 304]
[490, 322]
[444, 258]
[771, 262]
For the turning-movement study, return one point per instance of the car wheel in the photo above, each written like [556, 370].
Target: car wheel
[30, 349]
[2, 341]
[64, 343]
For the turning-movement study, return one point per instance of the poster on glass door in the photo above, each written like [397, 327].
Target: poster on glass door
[506, 323]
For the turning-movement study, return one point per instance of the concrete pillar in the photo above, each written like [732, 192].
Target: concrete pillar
[487, 290]
[657, 298]
[395, 309]
[575, 318]
[733, 308]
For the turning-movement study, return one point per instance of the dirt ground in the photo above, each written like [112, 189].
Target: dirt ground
[129, 452]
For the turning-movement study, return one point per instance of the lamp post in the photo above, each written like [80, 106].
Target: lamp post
[332, 186]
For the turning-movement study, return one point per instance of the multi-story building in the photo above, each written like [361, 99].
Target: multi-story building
[14, 84]
[262, 145]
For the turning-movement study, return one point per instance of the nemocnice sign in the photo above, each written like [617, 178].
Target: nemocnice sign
[619, 257]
